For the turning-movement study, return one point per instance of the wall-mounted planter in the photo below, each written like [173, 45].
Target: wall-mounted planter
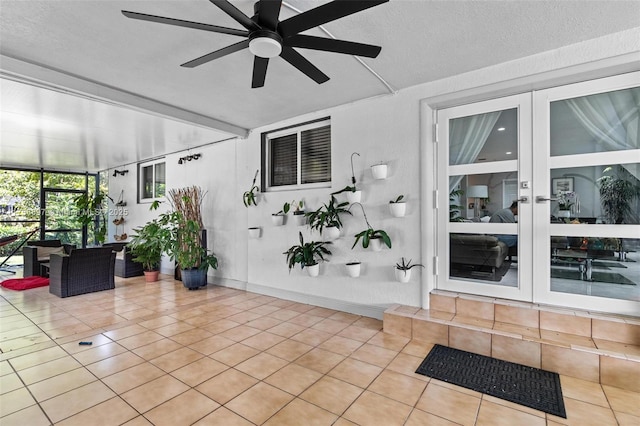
[299, 218]
[353, 269]
[354, 196]
[403, 276]
[277, 219]
[330, 233]
[379, 171]
[254, 232]
[313, 270]
[398, 209]
[375, 244]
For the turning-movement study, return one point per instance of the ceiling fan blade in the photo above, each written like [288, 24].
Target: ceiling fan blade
[186, 24]
[268, 13]
[322, 14]
[217, 54]
[259, 71]
[331, 45]
[298, 61]
[236, 14]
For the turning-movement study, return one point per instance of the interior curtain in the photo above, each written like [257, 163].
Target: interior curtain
[467, 136]
[613, 119]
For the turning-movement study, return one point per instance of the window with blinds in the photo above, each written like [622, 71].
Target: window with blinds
[298, 156]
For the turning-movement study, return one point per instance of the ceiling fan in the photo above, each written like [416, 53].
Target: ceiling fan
[268, 37]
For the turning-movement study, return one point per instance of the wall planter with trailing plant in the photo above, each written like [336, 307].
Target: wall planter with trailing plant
[307, 255]
[379, 171]
[353, 269]
[254, 232]
[250, 197]
[299, 214]
[403, 270]
[354, 195]
[371, 237]
[398, 207]
[326, 220]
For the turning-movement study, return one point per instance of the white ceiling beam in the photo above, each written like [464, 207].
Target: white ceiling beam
[30, 73]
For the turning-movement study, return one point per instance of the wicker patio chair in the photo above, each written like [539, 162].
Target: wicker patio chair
[82, 271]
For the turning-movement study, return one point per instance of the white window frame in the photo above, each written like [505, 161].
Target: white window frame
[151, 164]
[286, 132]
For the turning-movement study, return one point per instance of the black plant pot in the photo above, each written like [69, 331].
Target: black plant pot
[193, 279]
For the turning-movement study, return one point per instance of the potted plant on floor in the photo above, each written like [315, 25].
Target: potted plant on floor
[147, 245]
[326, 219]
[186, 244]
[403, 270]
[307, 255]
[370, 236]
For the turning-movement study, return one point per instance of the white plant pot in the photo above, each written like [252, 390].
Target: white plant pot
[277, 219]
[375, 244]
[564, 213]
[330, 233]
[379, 171]
[300, 219]
[353, 269]
[398, 209]
[254, 233]
[403, 276]
[354, 197]
[313, 270]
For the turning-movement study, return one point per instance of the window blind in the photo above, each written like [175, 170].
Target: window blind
[283, 160]
[315, 147]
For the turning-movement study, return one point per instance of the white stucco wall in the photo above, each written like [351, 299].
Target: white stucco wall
[394, 129]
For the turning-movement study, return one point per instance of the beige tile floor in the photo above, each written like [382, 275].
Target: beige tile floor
[163, 355]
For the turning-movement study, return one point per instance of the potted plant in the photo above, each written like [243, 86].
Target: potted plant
[298, 214]
[455, 209]
[185, 244]
[565, 200]
[372, 237]
[353, 268]
[147, 245]
[403, 270]
[307, 255]
[398, 207]
[249, 197]
[326, 219]
[617, 194]
[379, 171]
[90, 207]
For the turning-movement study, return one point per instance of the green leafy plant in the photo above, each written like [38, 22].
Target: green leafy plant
[147, 244]
[306, 254]
[405, 266]
[249, 197]
[90, 207]
[455, 209]
[617, 193]
[286, 207]
[327, 215]
[397, 200]
[368, 234]
[346, 189]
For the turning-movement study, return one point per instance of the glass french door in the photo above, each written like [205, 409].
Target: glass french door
[543, 193]
[485, 167]
[60, 222]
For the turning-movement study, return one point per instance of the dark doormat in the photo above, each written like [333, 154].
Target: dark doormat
[596, 276]
[528, 386]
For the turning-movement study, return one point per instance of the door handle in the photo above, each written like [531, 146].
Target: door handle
[524, 199]
[542, 199]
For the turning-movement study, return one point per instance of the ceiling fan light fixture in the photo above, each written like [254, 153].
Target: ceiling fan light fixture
[265, 47]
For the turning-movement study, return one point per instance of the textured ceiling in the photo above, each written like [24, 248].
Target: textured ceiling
[421, 41]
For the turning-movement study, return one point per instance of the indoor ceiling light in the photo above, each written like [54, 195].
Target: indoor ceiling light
[265, 46]
[508, 152]
[501, 129]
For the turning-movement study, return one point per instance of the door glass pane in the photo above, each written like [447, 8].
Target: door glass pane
[596, 123]
[483, 257]
[60, 218]
[596, 266]
[608, 194]
[63, 180]
[484, 137]
[480, 196]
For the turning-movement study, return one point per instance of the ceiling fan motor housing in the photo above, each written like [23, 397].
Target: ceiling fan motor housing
[265, 43]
